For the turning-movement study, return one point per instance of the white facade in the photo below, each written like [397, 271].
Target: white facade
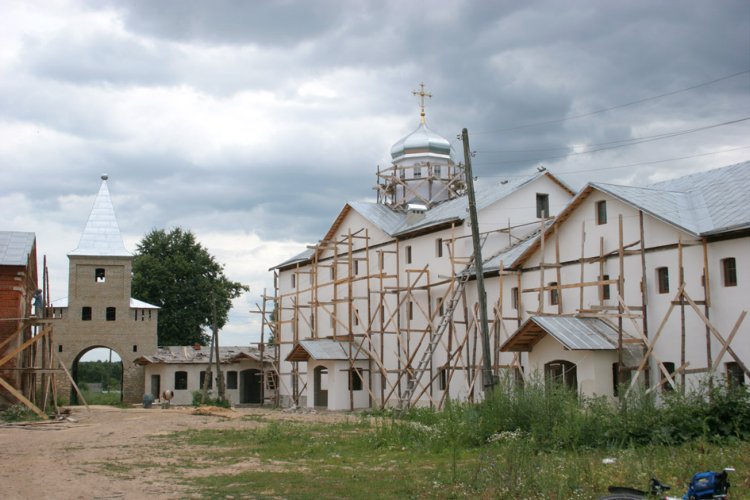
[181, 369]
[375, 283]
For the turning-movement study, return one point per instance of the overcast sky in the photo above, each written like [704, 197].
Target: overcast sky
[252, 123]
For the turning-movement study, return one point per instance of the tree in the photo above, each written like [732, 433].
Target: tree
[175, 272]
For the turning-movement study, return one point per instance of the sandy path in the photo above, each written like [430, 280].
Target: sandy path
[74, 460]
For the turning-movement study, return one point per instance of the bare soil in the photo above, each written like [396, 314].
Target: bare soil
[77, 458]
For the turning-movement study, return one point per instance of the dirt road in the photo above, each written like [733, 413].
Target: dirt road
[77, 458]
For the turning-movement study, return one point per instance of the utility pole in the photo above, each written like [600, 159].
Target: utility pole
[219, 377]
[487, 377]
[208, 375]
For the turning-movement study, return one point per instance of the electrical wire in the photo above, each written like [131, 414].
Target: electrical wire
[618, 106]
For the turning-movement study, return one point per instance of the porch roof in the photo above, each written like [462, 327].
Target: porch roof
[191, 355]
[324, 350]
[572, 332]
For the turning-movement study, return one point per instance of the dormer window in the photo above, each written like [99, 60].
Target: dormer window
[99, 275]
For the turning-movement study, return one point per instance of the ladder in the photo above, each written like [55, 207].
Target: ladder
[413, 380]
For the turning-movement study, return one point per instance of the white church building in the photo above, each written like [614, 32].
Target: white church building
[611, 286]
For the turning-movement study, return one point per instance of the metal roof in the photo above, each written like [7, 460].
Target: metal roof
[189, 355]
[704, 203]
[15, 247]
[324, 350]
[101, 236]
[572, 332]
[421, 140]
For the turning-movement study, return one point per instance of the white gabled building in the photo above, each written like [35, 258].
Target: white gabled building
[355, 313]
[677, 252]
[383, 311]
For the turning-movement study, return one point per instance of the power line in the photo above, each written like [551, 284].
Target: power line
[622, 142]
[618, 106]
[653, 162]
[633, 142]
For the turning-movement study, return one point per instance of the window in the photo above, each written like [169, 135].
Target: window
[417, 172]
[442, 379]
[624, 381]
[180, 381]
[294, 280]
[542, 205]
[514, 297]
[203, 380]
[59, 348]
[735, 375]
[554, 297]
[662, 278]
[355, 318]
[408, 254]
[438, 171]
[665, 385]
[439, 247]
[231, 379]
[86, 313]
[356, 267]
[135, 348]
[411, 310]
[333, 271]
[111, 313]
[561, 372]
[605, 288]
[601, 212]
[402, 173]
[729, 271]
[381, 260]
[99, 275]
[355, 379]
[441, 306]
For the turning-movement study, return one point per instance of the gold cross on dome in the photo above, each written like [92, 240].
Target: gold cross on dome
[422, 94]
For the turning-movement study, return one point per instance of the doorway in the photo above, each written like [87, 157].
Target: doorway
[250, 386]
[320, 383]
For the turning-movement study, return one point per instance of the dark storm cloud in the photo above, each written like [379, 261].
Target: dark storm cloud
[225, 21]
[268, 116]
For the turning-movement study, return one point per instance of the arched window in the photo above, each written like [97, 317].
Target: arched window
[561, 372]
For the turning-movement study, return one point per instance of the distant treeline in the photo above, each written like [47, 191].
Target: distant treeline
[103, 372]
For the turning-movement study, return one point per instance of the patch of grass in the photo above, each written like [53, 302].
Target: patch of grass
[18, 413]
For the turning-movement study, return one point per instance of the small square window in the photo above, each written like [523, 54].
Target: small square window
[86, 313]
[231, 379]
[729, 271]
[542, 205]
[111, 313]
[554, 297]
[662, 279]
[442, 379]
[355, 379]
[601, 212]
[180, 381]
[666, 386]
[735, 375]
[59, 348]
[99, 275]
[135, 348]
